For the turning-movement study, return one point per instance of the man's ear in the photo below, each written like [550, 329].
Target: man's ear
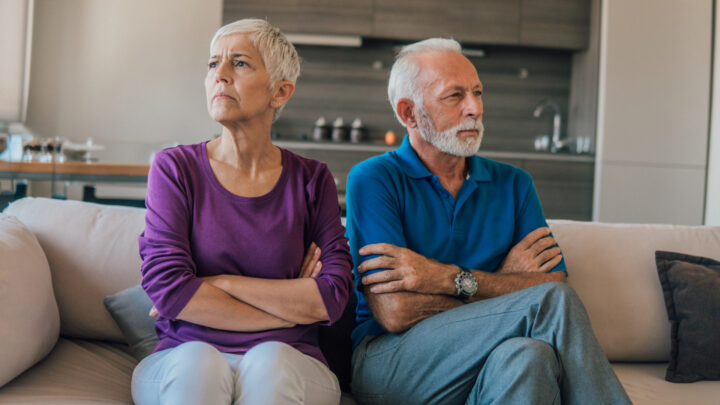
[406, 111]
[284, 89]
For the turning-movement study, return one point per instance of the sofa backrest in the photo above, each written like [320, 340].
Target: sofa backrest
[612, 268]
[92, 252]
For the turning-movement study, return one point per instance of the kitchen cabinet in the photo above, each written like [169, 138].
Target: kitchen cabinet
[475, 21]
[343, 17]
[555, 23]
[562, 24]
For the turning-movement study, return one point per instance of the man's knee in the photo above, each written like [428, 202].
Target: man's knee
[557, 292]
[526, 353]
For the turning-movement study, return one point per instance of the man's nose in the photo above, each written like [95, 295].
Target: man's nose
[474, 107]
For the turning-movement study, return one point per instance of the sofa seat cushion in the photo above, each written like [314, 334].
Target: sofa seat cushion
[645, 384]
[612, 268]
[29, 314]
[92, 251]
[76, 372]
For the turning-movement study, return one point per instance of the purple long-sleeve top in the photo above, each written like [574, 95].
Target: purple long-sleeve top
[195, 227]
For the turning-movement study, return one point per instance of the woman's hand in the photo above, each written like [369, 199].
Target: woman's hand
[311, 263]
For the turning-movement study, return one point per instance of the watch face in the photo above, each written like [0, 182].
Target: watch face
[467, 284]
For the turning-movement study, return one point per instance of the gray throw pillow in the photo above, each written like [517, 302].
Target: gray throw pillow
[690, 286]
[129, 308]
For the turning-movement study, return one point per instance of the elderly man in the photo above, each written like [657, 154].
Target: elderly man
[461, 287]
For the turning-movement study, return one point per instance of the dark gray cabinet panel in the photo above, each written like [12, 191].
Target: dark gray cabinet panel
[555, 23]
[481, 21]
[350, 17]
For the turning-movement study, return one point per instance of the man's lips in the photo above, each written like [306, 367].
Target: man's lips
[473, 132]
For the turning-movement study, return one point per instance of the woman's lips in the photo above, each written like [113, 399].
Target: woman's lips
[223, 96]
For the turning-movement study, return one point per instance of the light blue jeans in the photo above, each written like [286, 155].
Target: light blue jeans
[269, 373]
[534, 346]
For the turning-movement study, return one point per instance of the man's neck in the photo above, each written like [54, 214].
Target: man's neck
[451, 170]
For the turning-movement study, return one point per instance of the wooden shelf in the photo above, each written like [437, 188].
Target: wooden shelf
[75, 171]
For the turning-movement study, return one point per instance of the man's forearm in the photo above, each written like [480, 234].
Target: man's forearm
[398, 311]
[214, 308]
[494, 285]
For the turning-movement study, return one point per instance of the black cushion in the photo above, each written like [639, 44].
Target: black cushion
[691, 287]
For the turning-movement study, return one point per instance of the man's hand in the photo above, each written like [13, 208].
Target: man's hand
[406, 271]
[533, 254]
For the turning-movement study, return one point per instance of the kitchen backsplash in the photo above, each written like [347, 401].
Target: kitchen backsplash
[352, 83]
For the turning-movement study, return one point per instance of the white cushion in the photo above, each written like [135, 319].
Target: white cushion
[645, 385]
[29, 314]
[612, 268]
[93, 252]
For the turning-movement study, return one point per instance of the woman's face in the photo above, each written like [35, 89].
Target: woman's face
[237, 85]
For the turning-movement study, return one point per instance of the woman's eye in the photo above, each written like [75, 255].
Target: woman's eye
[239, 63]
[212, 65]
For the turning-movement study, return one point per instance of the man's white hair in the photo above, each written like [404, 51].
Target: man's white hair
[278, 54]
[405, 70]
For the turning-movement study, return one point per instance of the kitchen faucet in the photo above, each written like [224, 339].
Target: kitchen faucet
[557, 144]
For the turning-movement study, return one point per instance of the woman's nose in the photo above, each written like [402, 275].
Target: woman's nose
[222, 73]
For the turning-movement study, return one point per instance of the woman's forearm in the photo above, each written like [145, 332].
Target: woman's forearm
[296, 300]
[214, 308]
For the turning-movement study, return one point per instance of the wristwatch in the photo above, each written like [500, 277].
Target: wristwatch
[465, 283]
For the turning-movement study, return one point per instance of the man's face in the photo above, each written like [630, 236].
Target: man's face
[451, 115]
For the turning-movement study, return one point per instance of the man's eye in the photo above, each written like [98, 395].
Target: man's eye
[477, 93]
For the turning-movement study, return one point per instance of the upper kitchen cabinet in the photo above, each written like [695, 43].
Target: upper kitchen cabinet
[476, 21]
[555, 23]
[345, 17]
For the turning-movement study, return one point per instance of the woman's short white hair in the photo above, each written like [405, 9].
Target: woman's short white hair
[279, 55]
[404, 72]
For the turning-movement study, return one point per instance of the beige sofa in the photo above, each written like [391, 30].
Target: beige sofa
[59, 259]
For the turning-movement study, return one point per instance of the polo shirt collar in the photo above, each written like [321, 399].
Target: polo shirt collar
[415, 168]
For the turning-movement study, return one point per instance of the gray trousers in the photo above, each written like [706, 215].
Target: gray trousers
[534, 346]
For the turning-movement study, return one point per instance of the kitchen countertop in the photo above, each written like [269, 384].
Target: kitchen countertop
[381, 148]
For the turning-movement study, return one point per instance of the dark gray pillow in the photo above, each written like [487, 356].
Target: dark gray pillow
[690, 285]
[130, 310]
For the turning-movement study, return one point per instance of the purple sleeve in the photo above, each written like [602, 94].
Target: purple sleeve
[335, 278]
[168, 271]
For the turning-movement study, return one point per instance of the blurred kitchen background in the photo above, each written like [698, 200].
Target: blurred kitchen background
[606, 103]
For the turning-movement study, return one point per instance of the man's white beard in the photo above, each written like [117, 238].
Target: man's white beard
[447, 141]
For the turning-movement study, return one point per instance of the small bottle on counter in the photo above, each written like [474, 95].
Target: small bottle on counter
[321, 132]
[357, 131]
[339, 131]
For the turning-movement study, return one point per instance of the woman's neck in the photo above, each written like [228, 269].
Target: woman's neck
[245, 150]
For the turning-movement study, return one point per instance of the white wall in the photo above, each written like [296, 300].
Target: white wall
[127, 73]
[712, 200]
[14, 26]
[653, 112]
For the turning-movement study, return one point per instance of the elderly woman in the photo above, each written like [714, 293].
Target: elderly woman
[243, 250]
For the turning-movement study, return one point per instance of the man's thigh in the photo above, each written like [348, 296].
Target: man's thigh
[438, 360]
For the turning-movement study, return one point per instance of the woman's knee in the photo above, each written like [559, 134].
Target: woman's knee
[198, 362]
[191, 372]
[269, 357]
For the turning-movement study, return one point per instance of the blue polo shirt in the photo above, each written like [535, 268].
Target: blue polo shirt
[393, 198]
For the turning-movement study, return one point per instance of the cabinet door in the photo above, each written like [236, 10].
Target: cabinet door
[555, 23]
[350, 17]
[477, 21]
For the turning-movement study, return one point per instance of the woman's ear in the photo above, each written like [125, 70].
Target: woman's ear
[406, 111]
[284, 89]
